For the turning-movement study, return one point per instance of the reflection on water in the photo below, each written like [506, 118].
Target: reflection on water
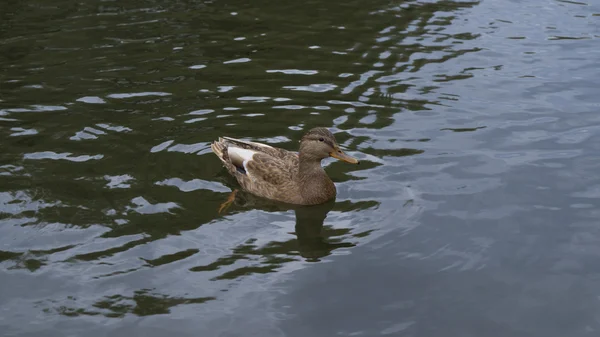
[310, 242]
[475, 122]
[142, 303]
[314, 241]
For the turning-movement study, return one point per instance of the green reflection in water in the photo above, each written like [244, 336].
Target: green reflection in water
[142, 303]
[107, 50]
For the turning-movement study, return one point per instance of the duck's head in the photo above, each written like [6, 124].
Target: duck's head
[319, 143]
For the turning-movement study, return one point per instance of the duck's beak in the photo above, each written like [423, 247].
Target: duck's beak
[337, 153]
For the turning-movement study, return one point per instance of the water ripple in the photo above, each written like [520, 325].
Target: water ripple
[143, 206]
[137, 94]
[475, 122]
[193, 185]
[240, 60]
[61, 156]
[294, 71]
[91, 100]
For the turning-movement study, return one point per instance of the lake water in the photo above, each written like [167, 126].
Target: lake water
[474, 211]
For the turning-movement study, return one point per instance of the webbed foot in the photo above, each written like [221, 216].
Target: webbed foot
[224, 206]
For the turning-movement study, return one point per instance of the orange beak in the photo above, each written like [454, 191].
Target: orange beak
[337, 153]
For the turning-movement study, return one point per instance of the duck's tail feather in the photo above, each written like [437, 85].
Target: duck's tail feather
[220, 148]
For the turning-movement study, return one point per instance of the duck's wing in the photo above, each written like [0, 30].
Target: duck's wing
[264, 175]
[256, 165]
[260, 147]
[246, 143]
[268, 170]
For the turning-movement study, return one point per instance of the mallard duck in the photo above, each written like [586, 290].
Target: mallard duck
[281, 175]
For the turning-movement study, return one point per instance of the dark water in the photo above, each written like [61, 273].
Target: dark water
[474, 212]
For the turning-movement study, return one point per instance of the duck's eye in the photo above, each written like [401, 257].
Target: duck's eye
[321, 139]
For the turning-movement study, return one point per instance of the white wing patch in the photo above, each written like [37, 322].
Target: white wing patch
[240, 156]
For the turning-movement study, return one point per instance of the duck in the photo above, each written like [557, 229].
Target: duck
[295, 178]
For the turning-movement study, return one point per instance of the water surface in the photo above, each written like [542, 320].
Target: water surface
[473, 212]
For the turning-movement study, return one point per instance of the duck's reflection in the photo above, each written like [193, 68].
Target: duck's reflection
[314, 238]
